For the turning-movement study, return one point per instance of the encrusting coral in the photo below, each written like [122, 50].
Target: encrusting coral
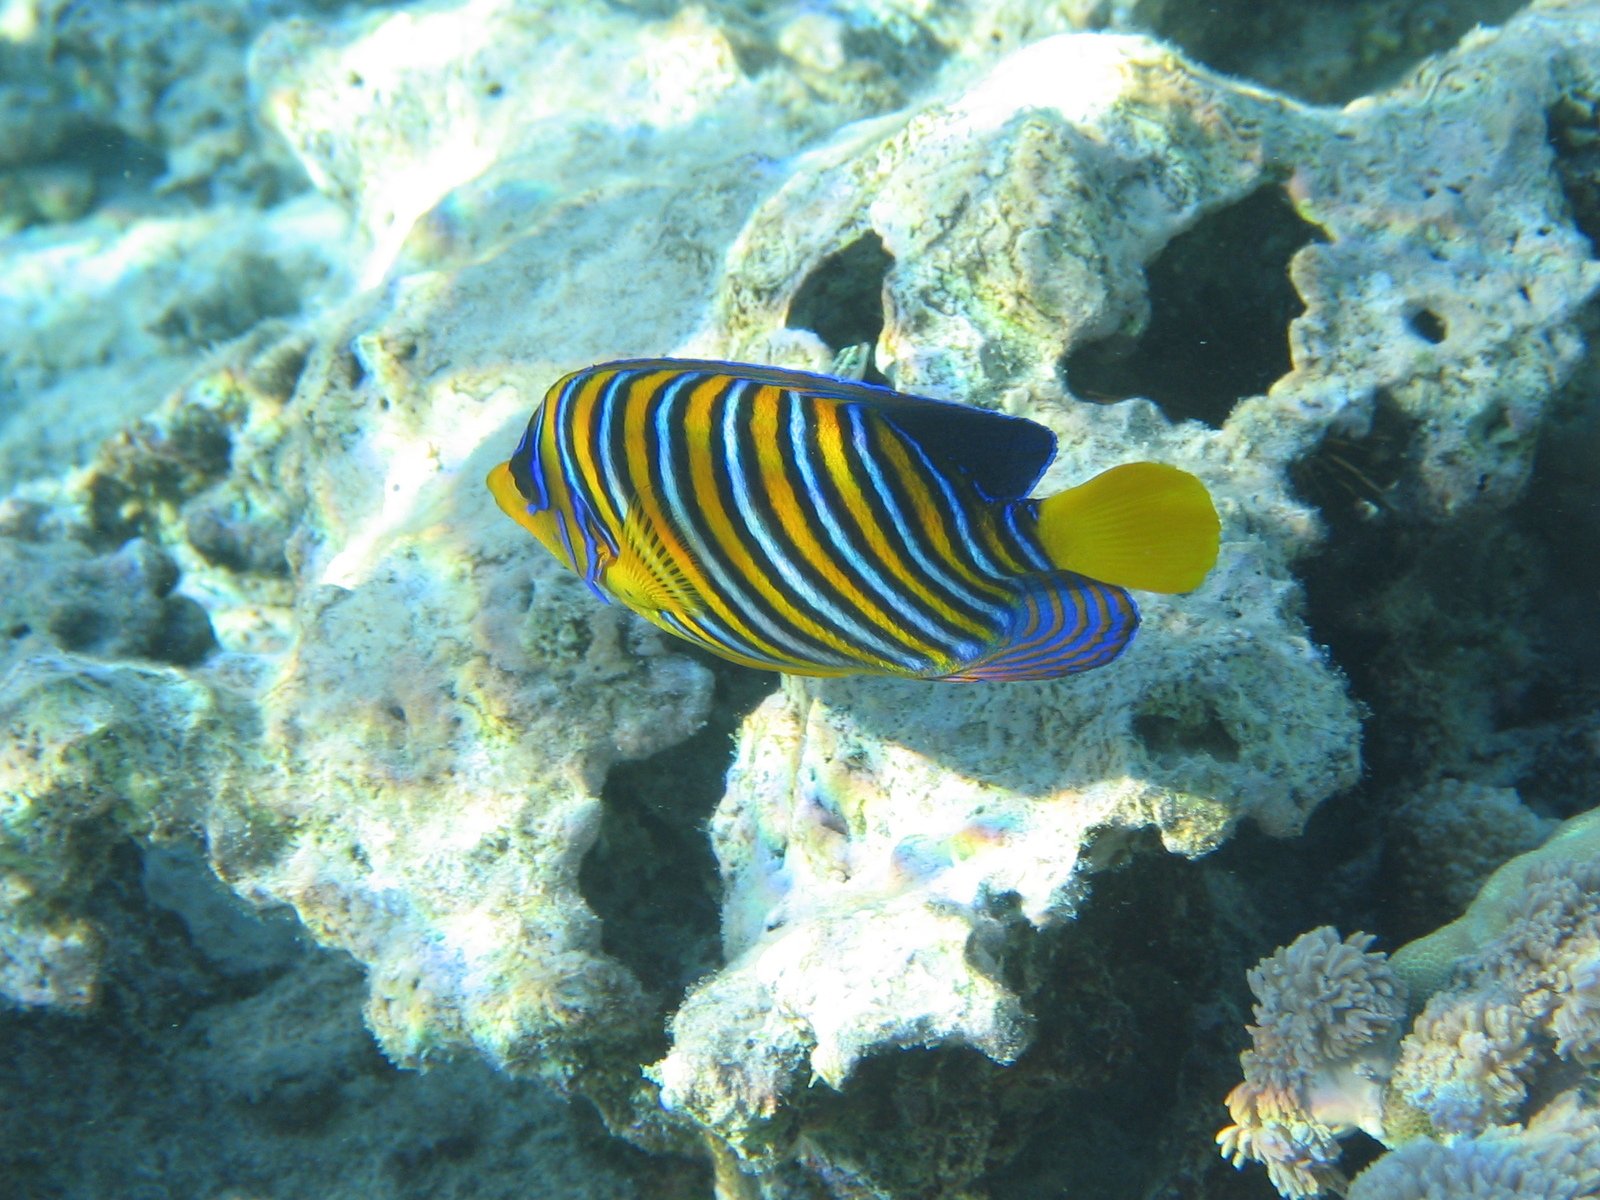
[1510, 1010]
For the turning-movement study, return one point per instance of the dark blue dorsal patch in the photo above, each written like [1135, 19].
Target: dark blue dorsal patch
[1003, 455]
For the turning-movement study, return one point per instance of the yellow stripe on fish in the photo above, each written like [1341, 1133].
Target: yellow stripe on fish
[819, 526]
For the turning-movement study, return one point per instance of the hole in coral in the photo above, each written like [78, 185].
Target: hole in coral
[1427, 325]
[651, 877]
[78, 627]
[1573, 129]
[184, 636]
[1353, 479]
[1171, 736]
[841, 301]
[1220, 307]
[122, 167]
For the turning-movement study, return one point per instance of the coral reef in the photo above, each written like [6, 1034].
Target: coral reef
[852, 797]
[1509, 1000]
[1451, 835]
[256, 595]
[1556, 1157]
[90, 753]
[1329, 1015]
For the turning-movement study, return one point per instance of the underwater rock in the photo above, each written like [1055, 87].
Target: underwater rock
[110, 606]
[1451, 835]
[105, 317]
[148, 95]
[437, 710]
[90, 753]
[926, 806]
[437, 152]
[1448, 289]
[873, 822]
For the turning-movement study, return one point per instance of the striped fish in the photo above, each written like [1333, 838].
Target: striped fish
[802, 523]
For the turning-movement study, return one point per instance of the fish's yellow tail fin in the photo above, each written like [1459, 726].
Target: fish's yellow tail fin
[1142, 525]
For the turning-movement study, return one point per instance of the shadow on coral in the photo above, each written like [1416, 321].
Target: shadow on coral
[193, 1079]
[1220, 307]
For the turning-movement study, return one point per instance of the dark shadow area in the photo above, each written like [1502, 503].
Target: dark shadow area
[1169, 739]
[1466, 640]
[1325, 51]
[1573, 126]
[1220, 307]
[841, 301]
[651, 877]
[1469, 643]
[1139, 1004]
[1142, 1006]
[1352, 480]
[227, 1056]
[122, 166]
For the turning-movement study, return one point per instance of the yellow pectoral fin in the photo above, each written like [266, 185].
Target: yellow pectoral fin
[1142, 525]
[646, 575]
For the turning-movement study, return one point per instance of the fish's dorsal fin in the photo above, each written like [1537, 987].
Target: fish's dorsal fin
[646, 575]
[1003, 455]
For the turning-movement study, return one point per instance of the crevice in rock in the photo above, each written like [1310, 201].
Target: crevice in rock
[841, 301]
[1125, 999]
[651, 877]
[1353, 480]
[1573, 126]
[1220, 306]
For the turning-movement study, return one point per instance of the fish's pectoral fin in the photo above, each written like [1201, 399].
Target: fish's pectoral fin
[647, 574]
[1141, 525]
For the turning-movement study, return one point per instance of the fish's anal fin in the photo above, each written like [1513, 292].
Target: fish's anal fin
[1141, 525]
[645, 574]
[1060, 624]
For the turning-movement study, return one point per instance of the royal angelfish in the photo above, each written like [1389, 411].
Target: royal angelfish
[814, 525]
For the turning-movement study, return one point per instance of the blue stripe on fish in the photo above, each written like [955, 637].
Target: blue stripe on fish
[820, 526]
